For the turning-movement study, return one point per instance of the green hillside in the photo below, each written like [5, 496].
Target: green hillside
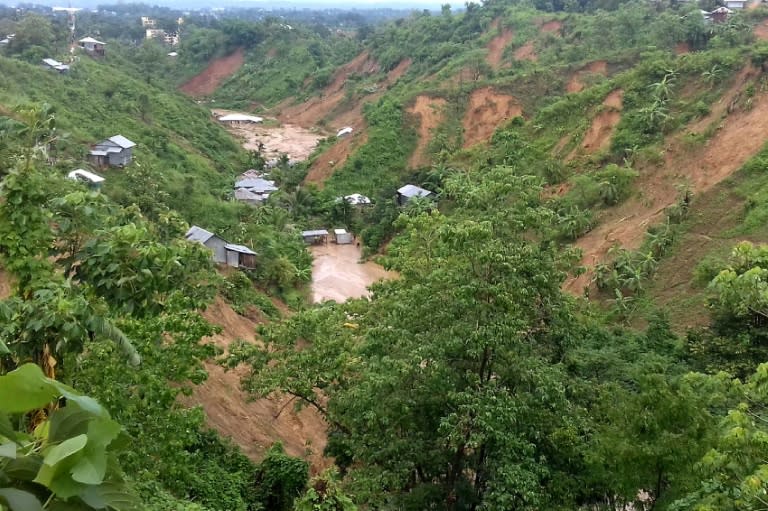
[578, 320]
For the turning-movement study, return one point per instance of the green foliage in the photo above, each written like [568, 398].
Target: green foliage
[733, 472]
[279, 480]
[69, 458]
[325, 494]
[238, 289]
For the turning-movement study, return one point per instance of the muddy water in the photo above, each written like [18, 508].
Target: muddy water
[295, 141]
[337, 275]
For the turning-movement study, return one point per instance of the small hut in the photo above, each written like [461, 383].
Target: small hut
[342, 237]
[315, 237]
[408, 192]
[216, 244]
[239, 256]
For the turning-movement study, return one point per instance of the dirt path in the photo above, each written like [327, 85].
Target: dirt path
[487, 110]
[429, 112]
[739, 136]
[254, 425]
[337, 275]
[576, 83]
[497, 44]
[217, 71]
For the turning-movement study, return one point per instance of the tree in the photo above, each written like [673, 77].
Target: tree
[150, 58]
[443, 389]
[33, 32]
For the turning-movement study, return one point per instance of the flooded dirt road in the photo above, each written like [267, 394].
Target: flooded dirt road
[295, 141]
[337, 275]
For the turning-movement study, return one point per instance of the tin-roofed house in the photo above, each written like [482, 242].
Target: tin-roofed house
[409, 192]
[315, 236]
[239, 256]
[216, 244]
[115, 151]
[92, 46]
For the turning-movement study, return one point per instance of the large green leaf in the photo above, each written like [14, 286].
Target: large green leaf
[112, 495]
[8, 450]
[18, 500]
[101, 432]
[24, 468]
[68, 422]
[25, 389]
[92, 466]
[65, 449]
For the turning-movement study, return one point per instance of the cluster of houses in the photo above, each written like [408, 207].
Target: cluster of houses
[251, 188]
[223, 252]
[158, 34]
[89, 45]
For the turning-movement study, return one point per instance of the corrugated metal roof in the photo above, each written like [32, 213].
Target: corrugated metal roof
[240, 117]
[239, 248]
[97, 152]
[355, 199]
[52, 62]
[257, 185]
[413, 191]
[339, 231]
[84, 174]
[121, 141]
[316, 232]
[198, 234]
[243, 194]
[90, 40]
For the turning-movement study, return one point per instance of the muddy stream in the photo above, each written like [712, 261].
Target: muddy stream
[338, 275]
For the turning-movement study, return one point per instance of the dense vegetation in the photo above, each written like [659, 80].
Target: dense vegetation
[471, 382]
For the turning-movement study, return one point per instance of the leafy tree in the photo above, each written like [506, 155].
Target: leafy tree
[33, 31]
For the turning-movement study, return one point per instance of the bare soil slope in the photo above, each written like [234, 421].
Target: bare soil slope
[598, 136]
[526, 52]
[496, 46]
[487, 110]
[317, 108]
[254, 425]
[334, 158]
[739, 136]
[338, 116]
[217, 71]
[576, 83]
[429, 113]
[552, 27]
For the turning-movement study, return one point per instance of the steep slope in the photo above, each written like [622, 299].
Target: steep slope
[254, 425]
[487, 110]
[498, 44]
[206, 83]
[738, 136]
[429, 114]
